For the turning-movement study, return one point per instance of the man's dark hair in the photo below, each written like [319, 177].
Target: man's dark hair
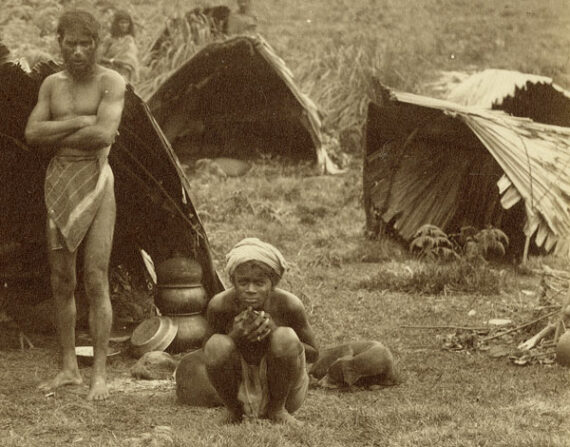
[78, 19]
[122, 15]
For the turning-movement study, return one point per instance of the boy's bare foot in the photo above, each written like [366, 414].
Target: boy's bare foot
[62, 378]
[283, 417]
[98, 389]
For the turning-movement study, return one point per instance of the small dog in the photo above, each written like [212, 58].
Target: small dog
[360, 363]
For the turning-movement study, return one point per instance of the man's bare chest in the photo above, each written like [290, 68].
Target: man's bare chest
[72, 99]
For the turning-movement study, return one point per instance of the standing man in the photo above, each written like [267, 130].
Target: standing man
[77, 117]
[261, 338]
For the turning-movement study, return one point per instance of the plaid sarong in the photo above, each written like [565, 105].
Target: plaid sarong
[74, 189]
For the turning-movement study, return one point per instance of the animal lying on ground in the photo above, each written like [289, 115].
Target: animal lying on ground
[360, 363]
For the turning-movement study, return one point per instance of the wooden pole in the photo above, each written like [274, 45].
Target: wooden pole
[525, 253]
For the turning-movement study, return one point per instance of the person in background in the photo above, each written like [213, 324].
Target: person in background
[243, 20]
[76, 120]
[119, 51]
[260, 338]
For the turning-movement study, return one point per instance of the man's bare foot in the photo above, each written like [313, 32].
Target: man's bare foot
[62, 378]
[231, 417]
[283, 417]
[98, 389]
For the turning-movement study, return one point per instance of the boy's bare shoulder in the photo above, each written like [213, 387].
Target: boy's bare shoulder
[222, 300]
[287, 298]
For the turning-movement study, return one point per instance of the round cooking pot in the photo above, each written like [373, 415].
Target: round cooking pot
[181, 299]
[179, 270]
[191, 331]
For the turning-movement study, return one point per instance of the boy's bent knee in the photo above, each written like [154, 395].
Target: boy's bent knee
[218, 349]
[285, 342]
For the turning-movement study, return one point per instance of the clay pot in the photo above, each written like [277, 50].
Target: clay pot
[179, 270]
[181, 299]
[563, 349]
[191, 331]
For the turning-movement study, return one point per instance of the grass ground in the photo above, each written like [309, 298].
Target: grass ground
[463, 398]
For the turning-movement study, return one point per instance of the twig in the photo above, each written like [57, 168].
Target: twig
[522, 326]
[467, 328]
[533, 341]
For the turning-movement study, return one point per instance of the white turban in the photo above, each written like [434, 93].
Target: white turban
[252, 249]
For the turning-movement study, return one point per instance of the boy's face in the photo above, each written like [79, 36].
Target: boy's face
[252, 285]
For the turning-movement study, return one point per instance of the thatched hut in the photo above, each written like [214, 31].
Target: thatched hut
[438, 162]
[236, 98]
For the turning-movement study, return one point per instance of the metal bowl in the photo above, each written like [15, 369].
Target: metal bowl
[153, 334]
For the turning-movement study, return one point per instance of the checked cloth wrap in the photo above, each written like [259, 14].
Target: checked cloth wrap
[74, 189]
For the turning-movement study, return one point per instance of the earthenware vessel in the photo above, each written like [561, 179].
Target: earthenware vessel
[180, 299]
[179, 270]
[191, 331]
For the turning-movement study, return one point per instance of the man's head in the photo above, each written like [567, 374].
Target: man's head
[78, 36]
[255, 268]
[122, 24]
[244, 5]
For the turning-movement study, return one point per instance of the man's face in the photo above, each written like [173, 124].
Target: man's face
[78, 50]
[243, 4]
[252, 285]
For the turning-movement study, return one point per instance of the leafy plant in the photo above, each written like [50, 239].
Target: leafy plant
[491, 242]
[430, 242]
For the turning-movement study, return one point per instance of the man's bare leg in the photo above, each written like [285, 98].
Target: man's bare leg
[224, 371]
[63, 280]
[98, 244]
[283, 371]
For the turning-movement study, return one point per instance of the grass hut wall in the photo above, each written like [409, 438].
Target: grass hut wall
[438, 162]
[154, 209]
[236, 98]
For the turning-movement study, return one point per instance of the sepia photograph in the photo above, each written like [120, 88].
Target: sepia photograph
[254, 223]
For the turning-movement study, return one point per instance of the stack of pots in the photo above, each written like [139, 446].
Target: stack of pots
[181, 296]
